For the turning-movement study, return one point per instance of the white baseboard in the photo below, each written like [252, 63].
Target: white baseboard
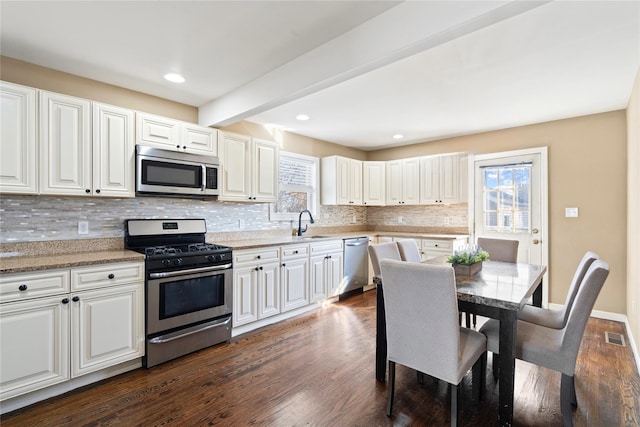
[616, 317]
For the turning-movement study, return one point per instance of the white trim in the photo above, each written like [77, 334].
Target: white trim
[544, 201]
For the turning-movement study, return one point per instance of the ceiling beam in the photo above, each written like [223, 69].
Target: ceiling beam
[402, 31]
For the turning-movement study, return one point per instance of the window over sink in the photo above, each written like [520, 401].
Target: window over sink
[298, 187]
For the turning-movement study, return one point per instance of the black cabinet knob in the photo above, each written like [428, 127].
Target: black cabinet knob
[111, 276]
[98, 191]
[22, 287]
[256, 269]
[260, 267]
[295, 252]
[65, 300]
[258, 257]
[75, 299]
[284, 265]
[87, 191]
[178, 147]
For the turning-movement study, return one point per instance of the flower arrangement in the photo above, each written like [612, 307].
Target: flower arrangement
[470, 255]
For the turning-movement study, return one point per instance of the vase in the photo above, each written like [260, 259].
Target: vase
[467, 269]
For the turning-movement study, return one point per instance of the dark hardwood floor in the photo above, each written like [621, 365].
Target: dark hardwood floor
[318, 369]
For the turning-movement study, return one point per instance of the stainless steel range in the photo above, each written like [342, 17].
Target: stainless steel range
[188, 286]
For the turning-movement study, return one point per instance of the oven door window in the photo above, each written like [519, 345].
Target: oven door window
[191, 295]
[171, 174]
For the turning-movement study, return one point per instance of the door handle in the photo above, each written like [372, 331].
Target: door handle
[535, 231]
[536, 241]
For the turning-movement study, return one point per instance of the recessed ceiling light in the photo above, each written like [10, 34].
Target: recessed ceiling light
[398, 136]
[302, 117]
[175, 78]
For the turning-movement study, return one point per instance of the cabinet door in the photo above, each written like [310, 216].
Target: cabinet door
[113, 151]
[373, 183]
[343, 172]
[235, 158]
[429, 180]
[295, 283]
[265, 171]
[450, 179]
[394, 182]
[334, 273]
[65, 145]
[107, 327]
[317, 281]
[268, 289]
[18, 163]
[34, 341]
[200, 140]
[157, 131]
[411, 181]
[245, 295]
[355, 182]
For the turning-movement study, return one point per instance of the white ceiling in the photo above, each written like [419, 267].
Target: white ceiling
[363, 70]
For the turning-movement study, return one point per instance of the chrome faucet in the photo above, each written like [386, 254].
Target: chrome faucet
[300, 230]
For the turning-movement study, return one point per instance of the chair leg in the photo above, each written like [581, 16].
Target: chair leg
[567, 399]
[468, 319]
[460, 318]
[495, 361]
[391, 386]
[454, 405]
[475, 318]
[479, 373]
[420, 376]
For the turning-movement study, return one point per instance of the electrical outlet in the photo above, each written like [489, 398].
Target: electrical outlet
[571, 212]
[399, 220]
[83, 227]
[353, 219]
[447, 220]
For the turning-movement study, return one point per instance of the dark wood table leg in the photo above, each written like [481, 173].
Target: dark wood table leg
[381, 336]
[508, 319]
[537, 296]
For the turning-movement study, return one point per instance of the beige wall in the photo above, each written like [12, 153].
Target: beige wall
[588, 170]
[633, 215]
[12, 70]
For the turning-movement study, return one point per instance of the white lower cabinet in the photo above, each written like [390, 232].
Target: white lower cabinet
[51, 339]
[295, 276]
[256, 284]
[326, 269]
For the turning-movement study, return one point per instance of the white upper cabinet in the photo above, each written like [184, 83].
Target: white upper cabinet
[443, 179]
[373, 183]
[341, 181]
[402, 182]
[18, 163]
[249, 169]
[175, 135]
[65, 145]
[113, 151]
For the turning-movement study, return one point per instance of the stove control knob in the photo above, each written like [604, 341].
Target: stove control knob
[210, 258]
[178, 261]
[166, 262]
[219, 257]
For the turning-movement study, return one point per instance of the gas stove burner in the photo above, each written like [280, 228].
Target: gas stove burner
[195, 247]
[161, 250]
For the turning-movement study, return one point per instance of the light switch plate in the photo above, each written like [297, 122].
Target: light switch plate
[83, 227]
[571, 212]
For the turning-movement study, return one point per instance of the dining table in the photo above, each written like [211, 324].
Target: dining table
[498, 291]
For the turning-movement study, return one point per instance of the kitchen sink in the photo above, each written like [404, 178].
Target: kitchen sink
[314, 237]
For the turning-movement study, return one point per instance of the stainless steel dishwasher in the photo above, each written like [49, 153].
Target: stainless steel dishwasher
[356, 265]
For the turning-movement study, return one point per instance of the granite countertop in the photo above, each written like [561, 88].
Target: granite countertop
[22, 264]
[34, 256]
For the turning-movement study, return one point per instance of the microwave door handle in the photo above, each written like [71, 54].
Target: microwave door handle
[204, 178]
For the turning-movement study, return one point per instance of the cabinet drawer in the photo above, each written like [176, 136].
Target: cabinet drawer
[294, 251]
[102, 275]
[437, 245]
[323, 247]
[49, 282]
[262, 255]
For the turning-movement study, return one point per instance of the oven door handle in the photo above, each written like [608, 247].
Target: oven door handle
[189, 331]
[189, 271]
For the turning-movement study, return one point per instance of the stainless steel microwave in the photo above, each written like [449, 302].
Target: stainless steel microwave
[168, 173]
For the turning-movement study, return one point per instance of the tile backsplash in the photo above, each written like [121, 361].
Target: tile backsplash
[42, 218]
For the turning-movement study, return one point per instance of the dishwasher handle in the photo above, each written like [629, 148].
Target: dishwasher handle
[366, 242]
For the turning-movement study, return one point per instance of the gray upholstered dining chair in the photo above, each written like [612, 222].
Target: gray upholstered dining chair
[503, 250]
[421, 310]
[558, 318]
[500, 249]
[382, 251]
[409, 250]
[557, 349]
